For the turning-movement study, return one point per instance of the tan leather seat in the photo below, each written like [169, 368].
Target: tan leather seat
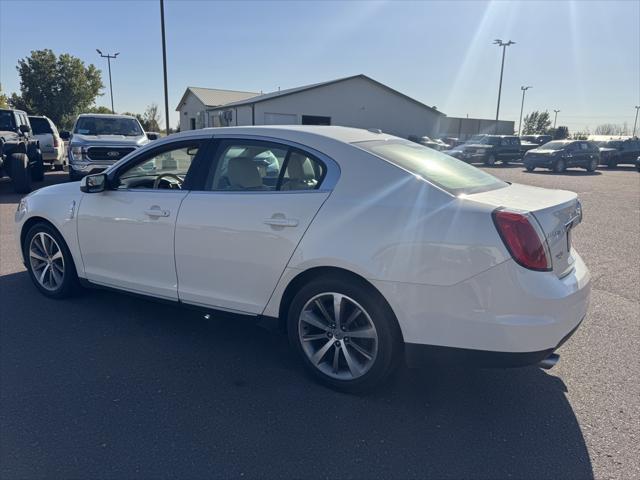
[243, 174]
[299, 174]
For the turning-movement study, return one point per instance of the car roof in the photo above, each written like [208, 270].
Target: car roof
[105, 115]
[343, 134]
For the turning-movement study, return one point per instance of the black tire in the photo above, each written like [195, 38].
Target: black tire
[70, 284]
[559, 166]
[593, 164]
[37, 165]
[389, 337]
[20, 172]
[58, 168]
[613, 163]
[490, 161]
[530, 168]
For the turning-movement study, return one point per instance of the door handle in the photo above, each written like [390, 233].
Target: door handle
[156, 212]
[281, 222]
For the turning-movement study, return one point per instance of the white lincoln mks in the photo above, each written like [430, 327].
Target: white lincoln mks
[368, 248]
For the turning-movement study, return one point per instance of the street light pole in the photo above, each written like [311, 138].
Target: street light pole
[555, 118]
[524, 89]
[109, 57]
[504, 46]
[164, 67]
[635, 123]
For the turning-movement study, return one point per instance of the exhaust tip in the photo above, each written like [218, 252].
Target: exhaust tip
[549, 362]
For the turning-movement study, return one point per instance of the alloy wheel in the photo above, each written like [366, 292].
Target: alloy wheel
[47, 261]
[338, 336]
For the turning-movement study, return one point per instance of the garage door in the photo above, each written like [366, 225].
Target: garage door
[280, 119]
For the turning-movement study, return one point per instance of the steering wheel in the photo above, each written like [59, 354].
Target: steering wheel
[159, 178]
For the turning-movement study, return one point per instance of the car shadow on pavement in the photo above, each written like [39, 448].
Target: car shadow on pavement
[112, 386]
[8, 195]
[570, 173]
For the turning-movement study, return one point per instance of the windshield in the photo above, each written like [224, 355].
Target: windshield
[448, 173]
[6, 120]
[39, 125]
[108, 126]
[554, 146]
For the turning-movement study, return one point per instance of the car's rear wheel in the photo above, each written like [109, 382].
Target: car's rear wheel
[20, 172]
[49, 262]
[559, 166]
[490, 161]
[593, 165]
[345, 333]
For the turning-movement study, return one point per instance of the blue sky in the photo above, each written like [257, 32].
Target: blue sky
[582, 57]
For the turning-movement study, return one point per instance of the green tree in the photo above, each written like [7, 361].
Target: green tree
[536, 123]
[58, 87]
[4, 101]
[151, 119]
[96, 109]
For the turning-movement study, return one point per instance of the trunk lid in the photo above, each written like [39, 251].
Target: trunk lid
[557, 212]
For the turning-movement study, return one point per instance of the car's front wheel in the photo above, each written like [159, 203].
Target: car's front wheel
[49, 262]
[530, 168]
[559, 166]
[593, 164]
[490, 161]
[345, 332]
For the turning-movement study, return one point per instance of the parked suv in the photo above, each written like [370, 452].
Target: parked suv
[562, 154]
[614, 152]
[100, 140]
[20, 156]
[488, 149]
[51, 145]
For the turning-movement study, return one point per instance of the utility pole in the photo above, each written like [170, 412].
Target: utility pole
[109, 57]
[504, 46]
[635, 123]
[555, 118]
[524, 89]
[164, 66]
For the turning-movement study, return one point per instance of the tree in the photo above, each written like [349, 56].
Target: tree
[536, 123]
[4, 101]
[151, 118]
[561, 133]
[612, 129]
[58, 87]
[96, 109]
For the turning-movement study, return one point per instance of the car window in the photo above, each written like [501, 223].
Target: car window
[584, 146]
[448, 173]
[161, 170]
[264, 166]
[6, 120]
[40, 125]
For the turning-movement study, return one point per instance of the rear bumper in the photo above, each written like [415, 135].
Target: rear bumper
[420, 356]
[506, 309]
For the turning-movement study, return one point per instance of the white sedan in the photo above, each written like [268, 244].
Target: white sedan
[368, 248]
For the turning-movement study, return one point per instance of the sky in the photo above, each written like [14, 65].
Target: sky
[581, 57]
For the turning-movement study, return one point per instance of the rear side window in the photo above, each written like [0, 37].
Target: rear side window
[448, 173]
[40, 125]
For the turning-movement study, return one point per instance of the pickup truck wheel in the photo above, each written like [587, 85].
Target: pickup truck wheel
[37, 165]
[530, 168]
[345, 333]
[490, 161]
[49, 262]
[19, 171]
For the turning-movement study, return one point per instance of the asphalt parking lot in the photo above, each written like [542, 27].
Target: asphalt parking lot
[111, 386]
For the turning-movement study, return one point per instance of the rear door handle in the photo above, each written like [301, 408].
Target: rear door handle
[281, 222]
[156, 212]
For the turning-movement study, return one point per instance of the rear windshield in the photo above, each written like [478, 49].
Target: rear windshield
[554, 146]
[108, 126]
[448, 173]
[39, 125]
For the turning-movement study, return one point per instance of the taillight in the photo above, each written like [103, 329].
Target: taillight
[524, 238]
[56, 142]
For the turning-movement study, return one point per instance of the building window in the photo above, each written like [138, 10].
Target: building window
[315, 120]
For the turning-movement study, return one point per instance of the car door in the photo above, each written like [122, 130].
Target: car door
[126, 233]
[235, 237]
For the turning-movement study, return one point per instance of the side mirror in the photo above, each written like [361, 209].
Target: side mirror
[25, 128]
[66, 136]
[94, 183]
[153, 135]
